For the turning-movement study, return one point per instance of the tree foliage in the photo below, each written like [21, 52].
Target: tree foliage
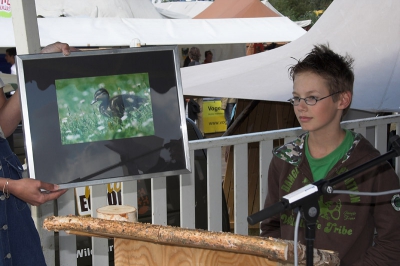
[298, 10]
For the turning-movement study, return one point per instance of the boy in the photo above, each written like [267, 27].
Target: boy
[322, 94]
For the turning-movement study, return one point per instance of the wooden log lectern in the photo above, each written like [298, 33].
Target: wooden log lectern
[147, 244]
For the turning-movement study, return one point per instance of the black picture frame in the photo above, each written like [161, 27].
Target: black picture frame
[76, 135]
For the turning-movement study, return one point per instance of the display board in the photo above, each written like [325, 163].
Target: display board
[103, 116]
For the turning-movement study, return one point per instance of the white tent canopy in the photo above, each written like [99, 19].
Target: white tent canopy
[97, 8]
[121, 31]
[365, 29]
[181, 10]
[189, 9]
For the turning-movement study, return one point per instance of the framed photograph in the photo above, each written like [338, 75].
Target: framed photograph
[103, 116]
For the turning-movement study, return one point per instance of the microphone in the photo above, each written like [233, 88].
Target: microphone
[289, 201]
[305, 194]
[267, 212]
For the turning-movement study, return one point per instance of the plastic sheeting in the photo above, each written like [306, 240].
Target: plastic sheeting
[97, 8]
[108, 32]
[181, 10]
[365, 29]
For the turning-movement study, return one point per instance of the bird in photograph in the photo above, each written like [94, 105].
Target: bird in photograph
[118, 105]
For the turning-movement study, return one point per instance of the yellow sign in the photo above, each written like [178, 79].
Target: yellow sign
[5, 9]
[213, 117]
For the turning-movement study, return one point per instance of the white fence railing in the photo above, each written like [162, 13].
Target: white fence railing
[61, 249]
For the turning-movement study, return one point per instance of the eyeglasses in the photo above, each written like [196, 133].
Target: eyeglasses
[312, 100]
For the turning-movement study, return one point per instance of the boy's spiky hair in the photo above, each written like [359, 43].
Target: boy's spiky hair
[336, 69]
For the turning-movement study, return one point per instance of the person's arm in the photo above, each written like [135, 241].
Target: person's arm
[58, 47]
[26, 189]
[29, 190]
[10, 110]
[8, 116]
[10, 113]
[3, 97]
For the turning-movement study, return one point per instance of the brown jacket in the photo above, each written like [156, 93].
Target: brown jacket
[346, 222]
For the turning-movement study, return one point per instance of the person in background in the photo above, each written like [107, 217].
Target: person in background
[208, 57]
[186, 61]
[194, 55]
[10, 58]
[362, 229]
[271, 46]
[19, 239]
[227, 105]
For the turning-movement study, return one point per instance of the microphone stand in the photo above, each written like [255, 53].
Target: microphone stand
[306, 198]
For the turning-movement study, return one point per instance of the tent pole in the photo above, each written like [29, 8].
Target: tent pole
[25, 25]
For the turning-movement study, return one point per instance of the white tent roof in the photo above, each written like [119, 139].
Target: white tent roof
[97, 8]
[121, 31]
[366, 30]
[190, 9]
[181, 10]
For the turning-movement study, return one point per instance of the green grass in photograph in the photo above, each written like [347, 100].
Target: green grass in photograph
[87, 113]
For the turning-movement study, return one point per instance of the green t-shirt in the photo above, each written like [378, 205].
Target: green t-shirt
[320, 167]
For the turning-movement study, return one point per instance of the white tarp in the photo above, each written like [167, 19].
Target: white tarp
[97, 8]
[121, 31]
[190, 9]
[181, 10]
[367, 30]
